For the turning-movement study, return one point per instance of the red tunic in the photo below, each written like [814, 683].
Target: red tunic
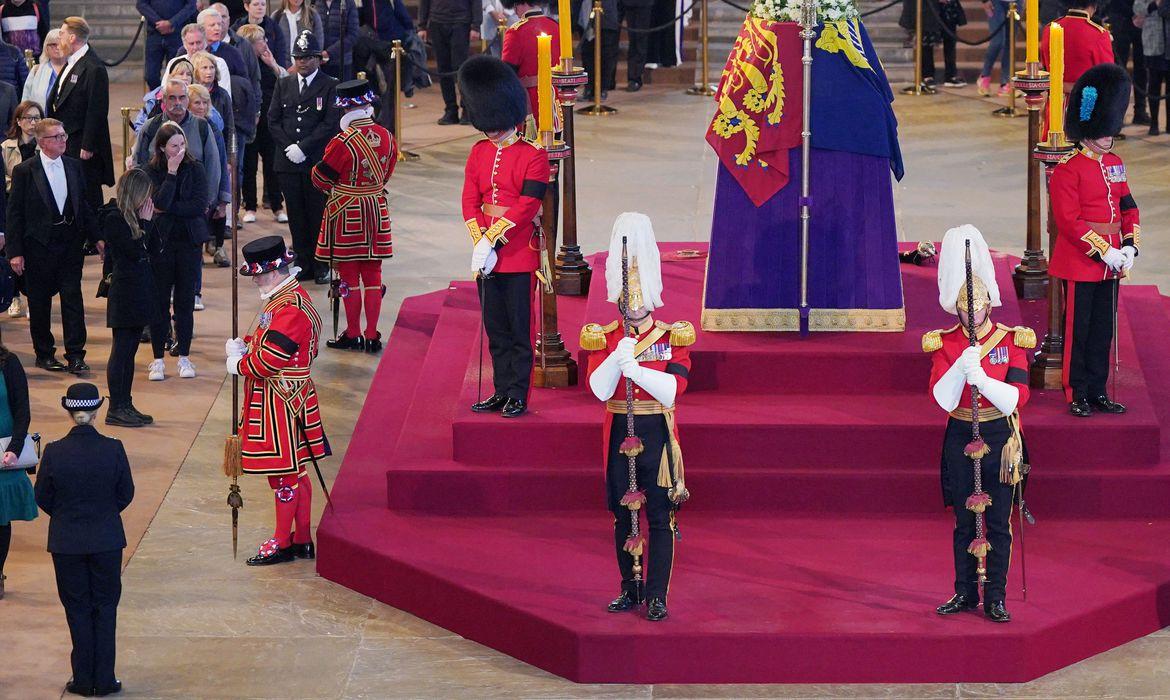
[503, 189]
[1005, 357]
[353, 172]
[520, 49]
[1086, 44]
[1093, 211]
[278, 391]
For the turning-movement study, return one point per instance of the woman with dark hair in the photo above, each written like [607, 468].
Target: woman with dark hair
[131, 305]
[180, 207]
[16, 491]
[20, 145]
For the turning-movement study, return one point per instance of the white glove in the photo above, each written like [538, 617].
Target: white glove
[604, 380]
[660, 385]
[625, 357]
[233, 364]
[294, 153]
[970, 360]
[949, 388]
[479, 255]
[1130, 254]
[977, 377]
[1002, 395]
[490, 264]
[235, 347]
[1114, 259]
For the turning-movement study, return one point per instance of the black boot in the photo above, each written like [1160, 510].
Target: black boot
[304, 550]
[656, 610]
[344, 342]
[957, 604]
[122, 417]
[996, 612]
[145, 418]
[628, 600]
[1155, 106]
[492, 404]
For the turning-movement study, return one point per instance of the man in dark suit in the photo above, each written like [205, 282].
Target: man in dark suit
[302, 119]
[164, 19]
[48, 222]
[81, 100]
[636, 14]
[83, 485]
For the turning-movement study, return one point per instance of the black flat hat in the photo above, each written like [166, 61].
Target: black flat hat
[81, 396]
[354, 93]
[265, 255]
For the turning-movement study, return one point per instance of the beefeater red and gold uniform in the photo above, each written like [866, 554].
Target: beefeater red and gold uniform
[1094, 211]
[664, 347]
[503, 189]
[278, 388]
[520, 52]
[1086, 44]
[353, 173]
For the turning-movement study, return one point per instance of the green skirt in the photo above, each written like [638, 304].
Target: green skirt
[16, 496]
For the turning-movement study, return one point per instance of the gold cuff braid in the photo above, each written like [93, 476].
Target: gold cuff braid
[474, 229]
[495, 234]
[1097, 244]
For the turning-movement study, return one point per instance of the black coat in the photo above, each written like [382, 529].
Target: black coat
[131, 302]
[83, 105]
[31, 211]
[309, 120]
[16, 383]
[84, 484]
[179, 202]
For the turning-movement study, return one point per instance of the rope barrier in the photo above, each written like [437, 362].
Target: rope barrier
[664, 25]
[133, 43]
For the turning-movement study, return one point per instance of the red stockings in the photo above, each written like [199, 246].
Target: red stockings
[364, 280]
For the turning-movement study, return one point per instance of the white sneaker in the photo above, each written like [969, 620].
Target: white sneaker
[15, 308]
[186, 369]
[199, 302]
[281, 217]
[249, 217]
[156, 371]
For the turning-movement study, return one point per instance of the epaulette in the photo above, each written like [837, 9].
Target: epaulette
[593, 335]
[520, 21]
[682, 333]
[1022, 336]
[932, 340]
[1067, 157]
[1098, 26]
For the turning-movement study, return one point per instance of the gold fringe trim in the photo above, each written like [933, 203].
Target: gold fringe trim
[592, 337]
[868, 320]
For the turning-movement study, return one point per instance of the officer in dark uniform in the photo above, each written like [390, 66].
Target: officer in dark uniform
[83, 485]
[302, 119]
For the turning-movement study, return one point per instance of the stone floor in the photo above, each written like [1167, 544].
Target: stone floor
[196, 624]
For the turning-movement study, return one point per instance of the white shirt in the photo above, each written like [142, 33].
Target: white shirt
[69, 63]
[291, 19]
[307, 80]
[55, 172]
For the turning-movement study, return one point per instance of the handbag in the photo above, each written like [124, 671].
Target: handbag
[29, 455]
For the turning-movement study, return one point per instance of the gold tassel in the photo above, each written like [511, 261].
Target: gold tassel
[546, 272]
[931, 341]
[1011, 458]
[682, 334]
[1024, 337]
[233, 459]
[664, 478]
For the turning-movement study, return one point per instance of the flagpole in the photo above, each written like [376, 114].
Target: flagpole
[808, 22]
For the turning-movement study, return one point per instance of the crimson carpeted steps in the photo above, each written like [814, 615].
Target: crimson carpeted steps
[815, 555]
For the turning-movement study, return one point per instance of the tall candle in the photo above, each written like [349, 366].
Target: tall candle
[544, 108]
[1032, 30]
[565, 22]
[1056, 78]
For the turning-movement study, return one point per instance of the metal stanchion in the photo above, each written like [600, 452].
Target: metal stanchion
[125, 134]
[28, 59]
[917, 88]
[396, 52]
[597, 109]
[702, 87]
[1013, 16]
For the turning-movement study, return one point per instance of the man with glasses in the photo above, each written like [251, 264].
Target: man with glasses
[49, 222]
[302, 119]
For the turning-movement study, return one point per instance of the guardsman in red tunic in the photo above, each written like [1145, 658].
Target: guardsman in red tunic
[503, 188]
[280, 426]
[520, 43]
[355, 230]
[1086, 43]
[997, 365]
[1098, 233]
[656, 359]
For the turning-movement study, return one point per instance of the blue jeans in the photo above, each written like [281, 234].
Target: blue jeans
[998, 45]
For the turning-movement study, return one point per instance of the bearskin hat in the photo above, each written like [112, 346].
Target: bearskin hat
[492, 94]
[1097, 105]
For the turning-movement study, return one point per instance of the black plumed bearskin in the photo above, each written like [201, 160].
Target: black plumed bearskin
[492, 94]
[1107, 113]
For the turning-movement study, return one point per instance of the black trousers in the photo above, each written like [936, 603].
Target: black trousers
[658, 560]
[368, 51]
[1090, 334]
[639, 42]
[90, 586]
[958, 473]
[159, 49]
[1157, 75]
[609, 57]
[5, 543]
[452, 43]
[58, 278]
[260, 149]
[1127, 43]
[950, 66]
[507, 318]
[176, 275]
[120, 369]
[306, 206]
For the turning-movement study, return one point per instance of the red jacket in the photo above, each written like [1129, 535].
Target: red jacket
[353, 173]
[1089, 191]
[1086, 44]
[1005, 357]
[667, 349]
[520, 48]
[503, 189]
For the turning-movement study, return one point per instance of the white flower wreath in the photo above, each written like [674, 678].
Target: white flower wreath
[789, 10]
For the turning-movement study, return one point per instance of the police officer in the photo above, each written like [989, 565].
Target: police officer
[303, 118]
[83, 485]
